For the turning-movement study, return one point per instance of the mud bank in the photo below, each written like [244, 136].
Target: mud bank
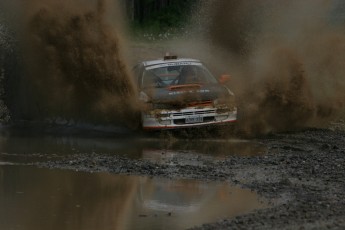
[302, 173]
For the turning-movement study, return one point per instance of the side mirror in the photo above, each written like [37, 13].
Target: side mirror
[224, 78]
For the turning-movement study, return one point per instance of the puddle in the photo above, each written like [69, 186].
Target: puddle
[33, 148]
[32, 198]
[161, 151]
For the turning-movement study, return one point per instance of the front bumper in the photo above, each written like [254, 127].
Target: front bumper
[187, 118]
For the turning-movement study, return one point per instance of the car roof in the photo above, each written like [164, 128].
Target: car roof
[162, 61]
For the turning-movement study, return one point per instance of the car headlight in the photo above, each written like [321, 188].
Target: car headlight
[225, 104]
[143, 97]
[216, 102]
[162, 115]
[223, 110]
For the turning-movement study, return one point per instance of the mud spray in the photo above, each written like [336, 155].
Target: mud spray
[286, 58]
[74, 66]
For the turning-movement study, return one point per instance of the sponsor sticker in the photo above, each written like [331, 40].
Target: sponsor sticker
[173, 64]
[189, 91]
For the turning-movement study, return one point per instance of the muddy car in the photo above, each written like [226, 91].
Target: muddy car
[182, 93]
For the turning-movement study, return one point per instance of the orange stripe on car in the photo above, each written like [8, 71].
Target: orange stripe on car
[183, 87]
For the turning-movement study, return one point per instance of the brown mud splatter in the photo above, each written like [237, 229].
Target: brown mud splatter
[286, 58]
[74, 62]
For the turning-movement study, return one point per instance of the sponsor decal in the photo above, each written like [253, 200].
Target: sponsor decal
[173, 64]
[189, 91]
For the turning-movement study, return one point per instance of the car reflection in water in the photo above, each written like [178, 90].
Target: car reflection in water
[32, 198]
[187, 203]
[190, 151]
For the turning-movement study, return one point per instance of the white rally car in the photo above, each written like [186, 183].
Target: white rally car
[182, 93]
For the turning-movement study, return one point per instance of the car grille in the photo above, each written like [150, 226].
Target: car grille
[200, 112]
[179, 117]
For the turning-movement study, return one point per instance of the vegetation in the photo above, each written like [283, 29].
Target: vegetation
[158, 18]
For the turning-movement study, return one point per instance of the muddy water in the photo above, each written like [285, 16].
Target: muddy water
[28, 147]
[32, 198]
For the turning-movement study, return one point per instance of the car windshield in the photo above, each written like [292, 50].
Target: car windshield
[164, 76]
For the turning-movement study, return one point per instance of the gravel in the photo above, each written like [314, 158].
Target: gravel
[302, 174]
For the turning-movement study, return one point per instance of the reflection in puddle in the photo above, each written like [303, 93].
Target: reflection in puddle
[159, 151]
[18, 148]
[32, 198]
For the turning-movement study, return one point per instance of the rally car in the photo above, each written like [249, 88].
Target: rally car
[182, 93]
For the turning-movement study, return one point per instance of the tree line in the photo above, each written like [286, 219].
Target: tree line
[162, 13]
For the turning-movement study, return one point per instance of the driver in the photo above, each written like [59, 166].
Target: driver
[188, 75]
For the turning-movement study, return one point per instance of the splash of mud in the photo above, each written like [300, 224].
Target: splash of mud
[74, 62]
[286, 58]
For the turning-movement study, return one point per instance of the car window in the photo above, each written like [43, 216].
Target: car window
[149, 79]
[176, 75]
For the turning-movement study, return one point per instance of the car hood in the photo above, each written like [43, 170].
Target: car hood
[187, 93]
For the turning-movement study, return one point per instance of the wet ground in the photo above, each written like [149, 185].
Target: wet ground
[288, 181]
[33, 198]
